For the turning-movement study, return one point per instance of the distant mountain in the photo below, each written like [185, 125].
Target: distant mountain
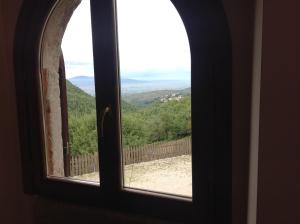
[86, 83]
[131, 81]
[80, 103]
[130, 86]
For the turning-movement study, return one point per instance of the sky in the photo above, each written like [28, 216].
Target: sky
[153, 44]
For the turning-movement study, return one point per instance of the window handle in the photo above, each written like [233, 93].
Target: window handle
[103, 114]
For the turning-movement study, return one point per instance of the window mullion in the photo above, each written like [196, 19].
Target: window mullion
[107, 92]
[64, 116]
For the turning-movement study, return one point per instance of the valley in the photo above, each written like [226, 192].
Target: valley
[132, 86]
[147, 117]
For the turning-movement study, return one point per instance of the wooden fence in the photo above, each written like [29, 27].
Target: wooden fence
[89, 163]
[83, 164]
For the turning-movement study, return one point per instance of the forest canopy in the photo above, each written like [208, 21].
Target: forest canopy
[163, 119]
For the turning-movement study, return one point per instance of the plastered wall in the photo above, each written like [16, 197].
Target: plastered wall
[279, 143]
[15, 207]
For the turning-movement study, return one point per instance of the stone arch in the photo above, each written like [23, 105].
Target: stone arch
[50, 61]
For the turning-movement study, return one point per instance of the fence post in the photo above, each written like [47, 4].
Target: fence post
[83, 164]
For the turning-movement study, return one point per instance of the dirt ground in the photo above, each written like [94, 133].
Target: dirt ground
[171, 175]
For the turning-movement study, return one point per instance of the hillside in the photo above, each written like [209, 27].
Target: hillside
[160, 121]
[157, 120]
[127, 107]
[146, 98]
[79, 102]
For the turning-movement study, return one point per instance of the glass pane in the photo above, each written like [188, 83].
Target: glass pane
[78, 56]
[69, 95]
[155, 97]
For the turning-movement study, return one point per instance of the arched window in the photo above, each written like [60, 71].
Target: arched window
[154, 102]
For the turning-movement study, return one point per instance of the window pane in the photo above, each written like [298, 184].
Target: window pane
[155, 97]
[70, 114]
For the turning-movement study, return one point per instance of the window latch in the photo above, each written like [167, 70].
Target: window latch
[103, 114]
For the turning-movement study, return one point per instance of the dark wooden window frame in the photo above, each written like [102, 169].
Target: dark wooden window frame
[210, 45]
[64, 115]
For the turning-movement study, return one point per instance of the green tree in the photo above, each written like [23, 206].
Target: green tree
[140, 125]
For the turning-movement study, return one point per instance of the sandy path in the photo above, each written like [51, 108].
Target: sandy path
[171, 175]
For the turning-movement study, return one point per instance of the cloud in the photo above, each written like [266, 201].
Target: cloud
[152, 39]
[77, 63]
[79, 69]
